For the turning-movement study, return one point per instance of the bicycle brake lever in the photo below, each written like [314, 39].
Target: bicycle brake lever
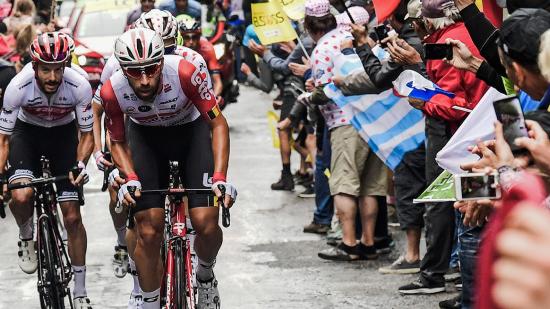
[226, 216]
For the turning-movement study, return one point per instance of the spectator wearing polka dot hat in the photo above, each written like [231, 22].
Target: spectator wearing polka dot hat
[358, 176]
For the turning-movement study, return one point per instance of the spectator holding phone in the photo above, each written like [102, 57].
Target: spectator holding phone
[442, 21]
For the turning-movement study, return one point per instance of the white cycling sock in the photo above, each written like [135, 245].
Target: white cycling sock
[25, 229]
[79, 281]
[151, 300]
[205, 270]
[133, 270]
[121, 235]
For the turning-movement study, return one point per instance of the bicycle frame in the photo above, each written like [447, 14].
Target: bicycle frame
[176, 235]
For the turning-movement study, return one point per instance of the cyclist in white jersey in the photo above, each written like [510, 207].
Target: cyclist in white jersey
[162, 98]
[38, 119]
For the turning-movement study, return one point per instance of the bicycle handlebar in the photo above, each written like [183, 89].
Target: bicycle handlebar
[37, 182]
[226, 216]
[177, 192]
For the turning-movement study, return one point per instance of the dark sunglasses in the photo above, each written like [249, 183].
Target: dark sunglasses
[136, 72]
[191, 37]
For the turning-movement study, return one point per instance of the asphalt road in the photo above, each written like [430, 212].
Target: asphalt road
[266, 260]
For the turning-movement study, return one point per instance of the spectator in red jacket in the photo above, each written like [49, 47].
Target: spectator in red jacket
[465, 85]
[442, 21]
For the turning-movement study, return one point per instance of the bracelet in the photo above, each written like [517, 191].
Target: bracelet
[218, 176]
[132, 176]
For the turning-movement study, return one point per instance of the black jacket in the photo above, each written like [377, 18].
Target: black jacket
[383, 74]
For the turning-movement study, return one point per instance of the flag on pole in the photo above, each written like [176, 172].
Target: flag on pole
[386, 122]
[413, 85]
[271, 24]
[479, 125]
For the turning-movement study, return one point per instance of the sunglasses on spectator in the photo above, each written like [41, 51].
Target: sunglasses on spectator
[191, 37]
[149, 71]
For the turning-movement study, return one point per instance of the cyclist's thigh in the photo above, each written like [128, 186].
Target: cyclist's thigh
[60, 147]
[150, 164]
[24, 157]
[198, 163]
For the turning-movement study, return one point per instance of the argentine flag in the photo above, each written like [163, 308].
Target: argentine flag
[413, 85]
[385, 121]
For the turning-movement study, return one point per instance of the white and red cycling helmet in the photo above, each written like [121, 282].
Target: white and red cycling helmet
[50, 47]
[139, 47]
[162, 22]
[69, 39]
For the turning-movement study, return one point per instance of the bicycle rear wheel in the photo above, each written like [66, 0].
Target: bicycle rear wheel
[49, 286]
[180, 295]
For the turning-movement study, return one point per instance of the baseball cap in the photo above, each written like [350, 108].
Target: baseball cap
[521, 32]
[317, 8]
[414, 9]
[438, 8]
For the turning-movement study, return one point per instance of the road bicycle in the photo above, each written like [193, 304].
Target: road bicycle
[54, 266]
[179, 289]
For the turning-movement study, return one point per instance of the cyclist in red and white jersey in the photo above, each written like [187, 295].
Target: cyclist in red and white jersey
[38, 119]
[162, 98]
[165, 25]
[190, 31]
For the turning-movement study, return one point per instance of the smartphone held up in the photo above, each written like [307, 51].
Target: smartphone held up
[477, 186]
[438, 51]
[510, 114]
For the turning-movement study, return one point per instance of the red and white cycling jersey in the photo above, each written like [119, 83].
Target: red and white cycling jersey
[25, 101]
[113, 66]
[183, 95]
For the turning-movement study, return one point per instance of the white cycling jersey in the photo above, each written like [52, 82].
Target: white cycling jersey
[112, 66]
[24, 100]
[183, 96]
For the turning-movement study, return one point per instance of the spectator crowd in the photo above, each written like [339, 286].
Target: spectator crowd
[493, 249]
[502, 49]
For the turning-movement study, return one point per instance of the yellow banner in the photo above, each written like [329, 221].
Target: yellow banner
[294, 9]
[271, 23]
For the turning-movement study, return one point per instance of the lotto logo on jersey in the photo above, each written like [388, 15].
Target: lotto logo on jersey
[167, 88]
[199, 79]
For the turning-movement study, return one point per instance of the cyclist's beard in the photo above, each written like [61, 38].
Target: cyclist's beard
[146, 92]
[50, 86]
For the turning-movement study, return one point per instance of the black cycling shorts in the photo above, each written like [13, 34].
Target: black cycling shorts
[29, 143]
[153, 147]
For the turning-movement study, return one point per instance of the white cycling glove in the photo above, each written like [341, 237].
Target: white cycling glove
[100, 160]
[83, 172]
[124, 188]
[229, 189]
[112, 175]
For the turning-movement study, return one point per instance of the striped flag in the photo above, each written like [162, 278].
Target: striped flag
[413, 85]
[386, 122]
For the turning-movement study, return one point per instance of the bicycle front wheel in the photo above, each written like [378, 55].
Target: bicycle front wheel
[49, 286]
[180, 284]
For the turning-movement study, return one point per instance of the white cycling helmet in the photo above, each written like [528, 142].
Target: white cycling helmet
[162, 22]
[137, 47]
